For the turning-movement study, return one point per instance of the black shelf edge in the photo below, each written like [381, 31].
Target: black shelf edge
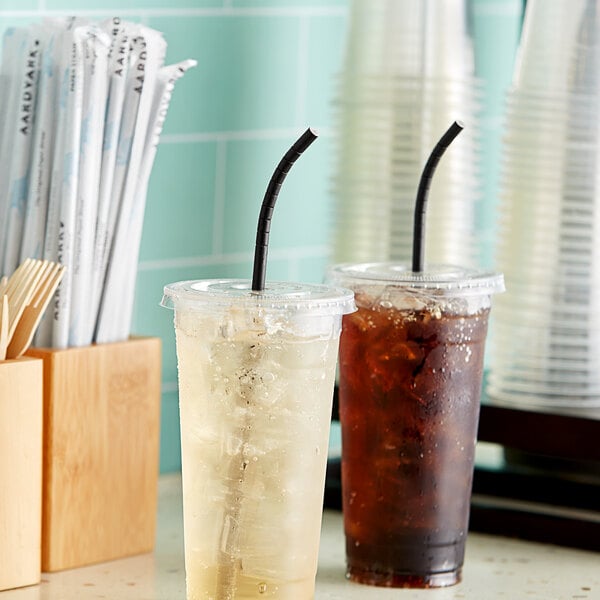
[562, 435]
[534, 526]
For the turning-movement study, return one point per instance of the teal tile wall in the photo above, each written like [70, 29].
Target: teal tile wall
[184, 180]
[11, 6]
[228, 91]
[250, 165]
[266, 69]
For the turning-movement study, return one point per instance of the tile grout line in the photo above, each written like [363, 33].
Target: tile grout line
[302, 71]
[224, 11]
[228, 10]
[219, 197]
[236, 136]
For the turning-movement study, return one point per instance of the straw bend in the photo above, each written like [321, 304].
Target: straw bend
[268, 204]
[418, 255]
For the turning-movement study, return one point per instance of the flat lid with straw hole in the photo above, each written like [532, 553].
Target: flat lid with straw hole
[448, 279]
[222, 293]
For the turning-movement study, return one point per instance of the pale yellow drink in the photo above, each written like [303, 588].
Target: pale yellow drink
[256, 376]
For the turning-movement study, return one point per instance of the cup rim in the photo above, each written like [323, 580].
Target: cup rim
[447, 280]
[303, 298]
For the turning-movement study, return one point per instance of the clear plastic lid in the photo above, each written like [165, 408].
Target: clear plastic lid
[223, 293]
[447, 280]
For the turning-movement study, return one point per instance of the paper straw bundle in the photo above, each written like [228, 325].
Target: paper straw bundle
[82, 106]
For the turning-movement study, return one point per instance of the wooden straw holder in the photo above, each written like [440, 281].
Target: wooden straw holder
[101, 444]
[20, 472]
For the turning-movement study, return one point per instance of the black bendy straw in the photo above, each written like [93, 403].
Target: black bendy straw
[268, 204]
[418, 254]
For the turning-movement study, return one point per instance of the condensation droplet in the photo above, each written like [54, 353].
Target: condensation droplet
[262, 587]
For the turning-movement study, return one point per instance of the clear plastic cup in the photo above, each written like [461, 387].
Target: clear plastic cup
[555, 44]
[347, 83]
[546, 375]
[546, 364]
[256, 377]
[569, 317]
[407, 73]
[530, 385]
[566, 400]
[434, 42]
[549, 183]
[411, 364]
[559, 342]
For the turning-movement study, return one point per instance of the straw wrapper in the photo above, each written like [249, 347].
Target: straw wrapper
[120, 301]
[150, 47]
[13, 52]
[34, 229]
[96, 49]
[73, 189]
[120, 57]
[63, 193]
[22, 135]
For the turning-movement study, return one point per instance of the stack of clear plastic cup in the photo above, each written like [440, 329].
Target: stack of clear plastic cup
[408, 74]
[547, 329]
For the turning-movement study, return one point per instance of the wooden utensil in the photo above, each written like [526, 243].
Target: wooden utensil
[24, 285]
[47, 282]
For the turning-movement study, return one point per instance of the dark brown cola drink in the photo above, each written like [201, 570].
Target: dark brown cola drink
[411, 365]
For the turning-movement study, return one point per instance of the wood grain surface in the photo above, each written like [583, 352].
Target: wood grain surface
[101, 444]
[20, 472]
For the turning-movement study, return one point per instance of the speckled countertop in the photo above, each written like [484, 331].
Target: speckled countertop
[495, 569]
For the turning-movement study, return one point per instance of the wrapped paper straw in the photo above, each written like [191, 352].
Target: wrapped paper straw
[21, 149]
[123, 296]
[74, 180]
[96, 49]
[34, 229]
[142, 80]
[70, 180]
[118, 69]
[13, 52]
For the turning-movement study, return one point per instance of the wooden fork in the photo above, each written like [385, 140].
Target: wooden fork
[23, 289]
[13, 281]
[34, 310]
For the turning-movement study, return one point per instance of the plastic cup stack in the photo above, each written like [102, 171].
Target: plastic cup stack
[547, 327]
[408, 72]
